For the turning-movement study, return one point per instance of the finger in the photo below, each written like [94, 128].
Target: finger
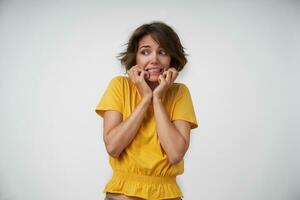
[131, 68]
[135, 67]
[132, 77]
[161, 79]
[169, 76]
[172, 69]
[147, 74]
[174, 73]
[136, 72]
[174, 76]
[133, 73]
[142, 75]
[165, 73]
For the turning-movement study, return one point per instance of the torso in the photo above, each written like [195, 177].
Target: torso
[147, 136]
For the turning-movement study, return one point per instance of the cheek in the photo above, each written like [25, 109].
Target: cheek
[166, 62]
[141, 61]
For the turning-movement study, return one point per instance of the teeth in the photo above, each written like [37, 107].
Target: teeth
[154, 70]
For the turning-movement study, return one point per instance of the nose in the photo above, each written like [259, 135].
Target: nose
[154, 58]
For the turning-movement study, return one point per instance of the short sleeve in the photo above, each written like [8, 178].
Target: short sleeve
[112, 97]
[183, 107]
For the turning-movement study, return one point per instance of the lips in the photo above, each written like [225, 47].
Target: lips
[155, 71]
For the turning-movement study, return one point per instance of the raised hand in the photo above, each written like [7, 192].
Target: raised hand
[165, 81]
[138, 76]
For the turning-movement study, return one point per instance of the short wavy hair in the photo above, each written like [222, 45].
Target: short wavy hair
[164, 35]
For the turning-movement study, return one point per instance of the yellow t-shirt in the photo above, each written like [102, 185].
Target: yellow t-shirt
[142, 169]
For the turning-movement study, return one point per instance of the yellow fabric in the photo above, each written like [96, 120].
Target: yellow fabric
[143, 170]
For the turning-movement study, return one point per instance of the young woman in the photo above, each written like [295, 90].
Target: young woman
[147, 117]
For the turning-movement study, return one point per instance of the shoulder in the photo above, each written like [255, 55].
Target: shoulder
[119, 80]
[122, 83]
[177, 91]
[179, 88]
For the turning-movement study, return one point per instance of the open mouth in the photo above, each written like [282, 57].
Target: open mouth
[155, 71]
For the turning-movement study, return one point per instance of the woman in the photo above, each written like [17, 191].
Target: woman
[147, 117]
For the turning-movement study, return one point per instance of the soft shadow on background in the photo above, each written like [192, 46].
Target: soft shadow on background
[57, 57]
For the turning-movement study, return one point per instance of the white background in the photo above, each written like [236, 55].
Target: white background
[57, 57]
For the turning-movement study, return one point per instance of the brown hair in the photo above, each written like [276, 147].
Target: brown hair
[163, 35]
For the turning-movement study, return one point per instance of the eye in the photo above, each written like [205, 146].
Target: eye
[145, 52]
[163, 52]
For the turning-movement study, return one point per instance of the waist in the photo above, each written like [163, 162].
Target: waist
[143, 178]
[135, 185]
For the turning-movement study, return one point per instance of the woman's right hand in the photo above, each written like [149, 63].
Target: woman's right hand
[138, 76]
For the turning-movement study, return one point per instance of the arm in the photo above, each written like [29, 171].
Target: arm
[117, 133]
[174, 137]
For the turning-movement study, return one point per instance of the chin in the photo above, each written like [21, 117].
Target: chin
[153, 79]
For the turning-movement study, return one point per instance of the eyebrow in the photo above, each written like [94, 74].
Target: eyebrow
[145, 46]
[148, 46]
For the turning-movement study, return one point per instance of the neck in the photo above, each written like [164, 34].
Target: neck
[152, 85]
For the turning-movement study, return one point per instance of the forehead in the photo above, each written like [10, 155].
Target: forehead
[147, 40]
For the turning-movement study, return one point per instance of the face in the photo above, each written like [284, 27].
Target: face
[152, 58]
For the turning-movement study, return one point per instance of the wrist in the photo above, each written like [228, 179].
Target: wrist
[147, 99]
[157, 99]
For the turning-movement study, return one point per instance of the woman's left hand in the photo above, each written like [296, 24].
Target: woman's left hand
[165, 81]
